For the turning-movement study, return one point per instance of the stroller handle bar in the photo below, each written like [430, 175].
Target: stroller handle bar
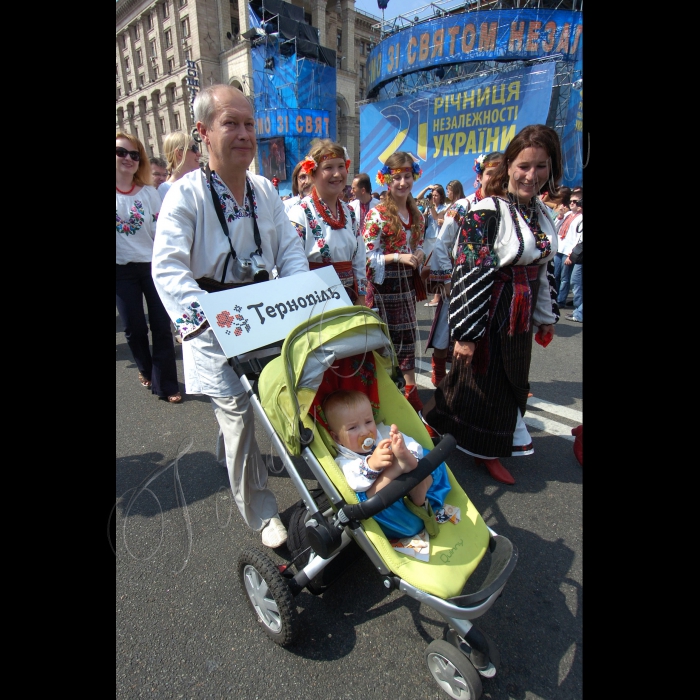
[400, 486]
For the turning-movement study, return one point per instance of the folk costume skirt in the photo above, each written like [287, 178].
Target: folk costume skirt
[478, 403]
[396, 300]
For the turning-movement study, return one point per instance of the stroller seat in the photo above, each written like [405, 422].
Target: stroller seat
[456, 551]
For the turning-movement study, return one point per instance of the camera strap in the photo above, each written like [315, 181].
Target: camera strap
[222, 219]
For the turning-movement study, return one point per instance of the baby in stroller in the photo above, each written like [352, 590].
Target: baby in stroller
[369, 465]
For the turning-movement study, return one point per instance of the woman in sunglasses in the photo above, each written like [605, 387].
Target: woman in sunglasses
[182, 154]
[138, 205]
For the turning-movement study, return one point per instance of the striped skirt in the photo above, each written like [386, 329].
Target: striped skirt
[481, 410]
[396, 300]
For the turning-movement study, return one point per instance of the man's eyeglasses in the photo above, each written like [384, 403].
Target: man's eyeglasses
[577, 202]
[194, 148]
[122, 153]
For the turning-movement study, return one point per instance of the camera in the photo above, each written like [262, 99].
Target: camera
[252, 269]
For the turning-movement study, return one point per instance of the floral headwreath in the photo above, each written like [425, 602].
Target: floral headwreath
[308, 165]
[479, 166]
[385, 174]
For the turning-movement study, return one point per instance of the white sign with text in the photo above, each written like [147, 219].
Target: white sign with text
[250, 317]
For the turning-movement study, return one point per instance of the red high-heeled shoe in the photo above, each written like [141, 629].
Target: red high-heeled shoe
[497, 470]
[577, 432]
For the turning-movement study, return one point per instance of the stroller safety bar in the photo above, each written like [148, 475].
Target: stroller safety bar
[400, 486]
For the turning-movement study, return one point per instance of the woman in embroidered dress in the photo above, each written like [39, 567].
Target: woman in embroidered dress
[502, 289]
[326, 224]
[138, 205]
[182, 154]
[393, 235]
[441, 263]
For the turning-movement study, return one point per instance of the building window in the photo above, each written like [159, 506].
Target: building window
[162, 125]
[188, 54]
[119, 92]
[129, 88]
[137, 32]
[139, 57]
[150, 20]
[183, 3]
[153, 47]
[362, 48]
[127, 65]
[148, 129]
[136, 131]
[117, 70]
[340, 40]
[155, 72]
[362, 71]
[141, 80]
[124, 40]
[185, 24]
[168, 38]
[339, 62]
[171, 65]
[177, 120]
[166, 9]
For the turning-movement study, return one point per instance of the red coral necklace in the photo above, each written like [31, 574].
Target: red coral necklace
[128, 191]
[325, 213]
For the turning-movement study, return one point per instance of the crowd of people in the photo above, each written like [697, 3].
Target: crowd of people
[498, 265]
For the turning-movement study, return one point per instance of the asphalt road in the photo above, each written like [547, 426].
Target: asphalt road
[185, 629]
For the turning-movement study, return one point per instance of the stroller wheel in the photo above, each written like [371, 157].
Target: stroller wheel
[453, 671]
[268, 594]
[494, 655]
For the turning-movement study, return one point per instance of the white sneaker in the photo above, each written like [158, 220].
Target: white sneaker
[274, 533]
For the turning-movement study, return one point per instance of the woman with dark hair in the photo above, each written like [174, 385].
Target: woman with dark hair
[502, 289]
[301, 186]
[393, 235]
[325, 221]
[138, 205]
[442, 261]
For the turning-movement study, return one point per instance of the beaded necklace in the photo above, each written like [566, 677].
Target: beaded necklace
[529, 213]
[325, 213]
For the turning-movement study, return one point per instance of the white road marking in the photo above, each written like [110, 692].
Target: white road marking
[546, 425]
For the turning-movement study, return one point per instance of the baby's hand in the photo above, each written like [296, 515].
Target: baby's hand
[382, 457]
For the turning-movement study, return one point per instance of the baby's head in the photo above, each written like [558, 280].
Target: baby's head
[350, 419]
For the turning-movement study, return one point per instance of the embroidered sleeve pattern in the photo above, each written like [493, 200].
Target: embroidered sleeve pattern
[374, 227]
[473, 276]
[553, 290]
[190, 319]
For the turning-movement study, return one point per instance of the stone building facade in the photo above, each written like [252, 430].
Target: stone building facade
[166, 48]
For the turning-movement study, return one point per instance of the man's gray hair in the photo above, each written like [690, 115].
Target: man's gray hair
[205, 103]
[158, 162]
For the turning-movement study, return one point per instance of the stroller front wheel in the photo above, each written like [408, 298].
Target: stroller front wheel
[268, 594]
[453, 671]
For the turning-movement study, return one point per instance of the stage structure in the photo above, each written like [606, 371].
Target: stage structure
[294, 87]
[455, 79]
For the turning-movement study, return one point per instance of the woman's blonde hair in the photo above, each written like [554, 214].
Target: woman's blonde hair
[143, 175]
[401, 159]
[174, 142]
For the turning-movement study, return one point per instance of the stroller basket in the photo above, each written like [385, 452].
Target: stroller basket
[327, 524]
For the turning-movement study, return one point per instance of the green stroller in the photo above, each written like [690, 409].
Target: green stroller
[329, 522]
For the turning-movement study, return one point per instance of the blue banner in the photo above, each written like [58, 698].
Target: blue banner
[293, 122]
[475, 36]
[572, 138]
[447, 127]
[294, 104]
